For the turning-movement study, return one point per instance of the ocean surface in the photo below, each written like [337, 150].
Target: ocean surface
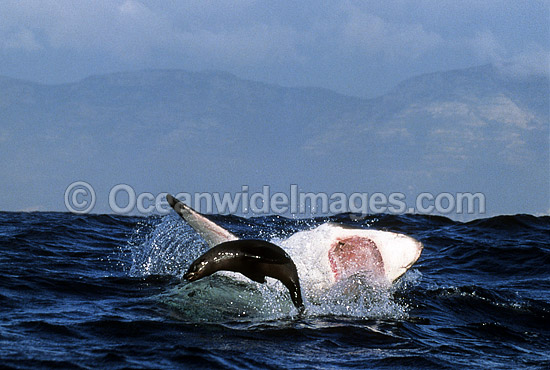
[104, 292]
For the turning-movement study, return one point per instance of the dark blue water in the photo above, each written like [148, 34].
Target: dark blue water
[104, 292]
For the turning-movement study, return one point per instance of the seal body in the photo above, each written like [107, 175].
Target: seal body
[255, 259]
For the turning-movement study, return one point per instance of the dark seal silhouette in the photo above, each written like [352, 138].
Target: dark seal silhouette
[255, 259]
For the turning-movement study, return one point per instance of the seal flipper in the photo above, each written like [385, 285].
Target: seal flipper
[296, 296]
[211, 232]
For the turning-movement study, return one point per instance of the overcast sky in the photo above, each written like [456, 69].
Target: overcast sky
[358, 48]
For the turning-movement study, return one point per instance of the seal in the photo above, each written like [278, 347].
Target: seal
[255, 259]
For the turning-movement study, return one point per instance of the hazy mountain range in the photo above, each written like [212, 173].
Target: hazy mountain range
[471, 130]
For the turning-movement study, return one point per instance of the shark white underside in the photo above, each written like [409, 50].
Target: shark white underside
[329, 252]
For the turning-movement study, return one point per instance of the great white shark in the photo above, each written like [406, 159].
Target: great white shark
[329, 252]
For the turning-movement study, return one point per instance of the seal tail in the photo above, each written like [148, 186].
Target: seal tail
[208, 230]
[296, 296]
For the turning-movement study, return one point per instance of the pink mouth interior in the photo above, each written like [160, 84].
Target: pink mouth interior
[350, 255]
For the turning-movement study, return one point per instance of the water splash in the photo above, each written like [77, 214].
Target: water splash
[222, 298]
[360, 296]
[163, 246]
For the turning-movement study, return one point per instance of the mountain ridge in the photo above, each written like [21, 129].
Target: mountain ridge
[444, 131]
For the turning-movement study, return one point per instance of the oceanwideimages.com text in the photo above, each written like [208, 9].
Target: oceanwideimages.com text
[80, 197]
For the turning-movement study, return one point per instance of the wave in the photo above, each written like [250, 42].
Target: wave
[104, 290]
